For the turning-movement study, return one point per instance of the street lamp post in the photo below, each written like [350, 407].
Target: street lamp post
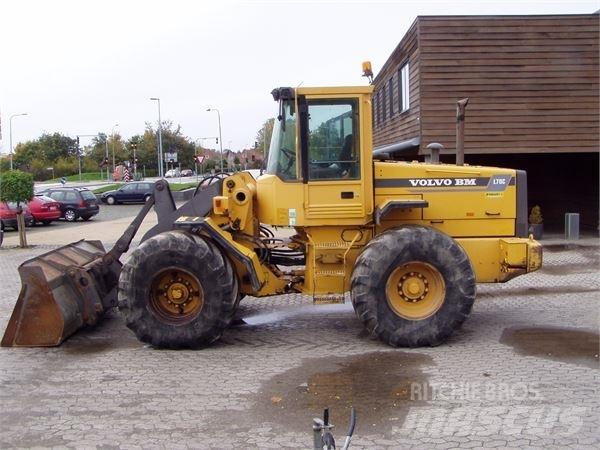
[112, 133]
[10, 136]
[220, 137]
[106, 157]
[160, 150]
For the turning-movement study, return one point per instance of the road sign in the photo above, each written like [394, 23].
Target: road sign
[63, 180]
[200, 159]
[171, 157]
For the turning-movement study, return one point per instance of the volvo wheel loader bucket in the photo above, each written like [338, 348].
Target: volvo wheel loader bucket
[62, 291]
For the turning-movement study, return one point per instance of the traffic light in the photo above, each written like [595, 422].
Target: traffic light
[217, 139]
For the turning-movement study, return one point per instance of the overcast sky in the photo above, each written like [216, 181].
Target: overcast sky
[80, 67]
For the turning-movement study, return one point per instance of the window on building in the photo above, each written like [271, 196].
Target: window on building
[403, 88]
[383, 103]
[391, 95]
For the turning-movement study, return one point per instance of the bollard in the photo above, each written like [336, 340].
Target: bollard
[571, 226]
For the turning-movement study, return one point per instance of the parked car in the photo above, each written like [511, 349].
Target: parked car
[136, 192]
[187, 173]
[8, 215]
[173, 173]
[74, 202]
[44, 209]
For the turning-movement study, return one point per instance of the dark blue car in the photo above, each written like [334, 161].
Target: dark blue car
[137, 192]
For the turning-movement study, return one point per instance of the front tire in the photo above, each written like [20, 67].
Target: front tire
[111, 200]
[413, 286]
[177, 290]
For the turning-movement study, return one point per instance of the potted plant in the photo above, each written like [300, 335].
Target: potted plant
[536, 225]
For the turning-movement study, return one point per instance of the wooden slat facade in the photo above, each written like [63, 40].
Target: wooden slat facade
[532, 82]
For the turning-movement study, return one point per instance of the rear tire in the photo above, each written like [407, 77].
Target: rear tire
[177, 290]
[70, 215]
[413, 286]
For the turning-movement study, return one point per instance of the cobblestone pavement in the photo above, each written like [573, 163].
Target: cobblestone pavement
[522, 372]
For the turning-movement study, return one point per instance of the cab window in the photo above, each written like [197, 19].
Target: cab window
[333, 149]
[282, 151]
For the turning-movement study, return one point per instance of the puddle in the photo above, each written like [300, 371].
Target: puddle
[290, 313]
[80, 348]
[569, 345]
[377, 384]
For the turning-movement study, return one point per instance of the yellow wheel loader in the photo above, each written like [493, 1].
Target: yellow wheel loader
[408, 240]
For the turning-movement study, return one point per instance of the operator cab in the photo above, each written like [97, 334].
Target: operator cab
[320, 155]
[331, 129]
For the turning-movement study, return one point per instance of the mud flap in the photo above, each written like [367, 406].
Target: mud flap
[62, 291]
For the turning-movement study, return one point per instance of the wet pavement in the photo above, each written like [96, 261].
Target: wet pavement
[568, 345]
[521, 373]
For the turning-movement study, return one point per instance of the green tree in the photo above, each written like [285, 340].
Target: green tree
[264, 135]
[34, 156]
[17, 187]
[173, 141]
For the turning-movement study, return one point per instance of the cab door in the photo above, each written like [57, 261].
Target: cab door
[333, 166]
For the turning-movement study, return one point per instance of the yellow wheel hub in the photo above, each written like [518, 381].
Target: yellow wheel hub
[415, 290]
[176, 295]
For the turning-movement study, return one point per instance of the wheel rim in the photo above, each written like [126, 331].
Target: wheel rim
[110, 200]
[69, 215]
[176, 296]
[415, 290]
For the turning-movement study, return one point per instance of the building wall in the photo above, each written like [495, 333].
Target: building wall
[532, 82]
[397, 125]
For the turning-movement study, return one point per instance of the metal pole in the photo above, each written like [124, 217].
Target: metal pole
[106, 156]
[160, 148]
[10, 136]
[220, 136]
[220, 139]
[134, 162]
[112, 132]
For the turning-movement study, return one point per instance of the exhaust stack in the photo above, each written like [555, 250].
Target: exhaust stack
[460, 131]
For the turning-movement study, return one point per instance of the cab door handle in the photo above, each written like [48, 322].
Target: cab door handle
[347, 194]
[492, 213]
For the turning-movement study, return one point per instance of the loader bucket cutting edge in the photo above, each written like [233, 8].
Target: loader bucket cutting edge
[62, 291]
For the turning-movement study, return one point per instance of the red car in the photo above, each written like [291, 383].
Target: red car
[44, 209]
[8, 215]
